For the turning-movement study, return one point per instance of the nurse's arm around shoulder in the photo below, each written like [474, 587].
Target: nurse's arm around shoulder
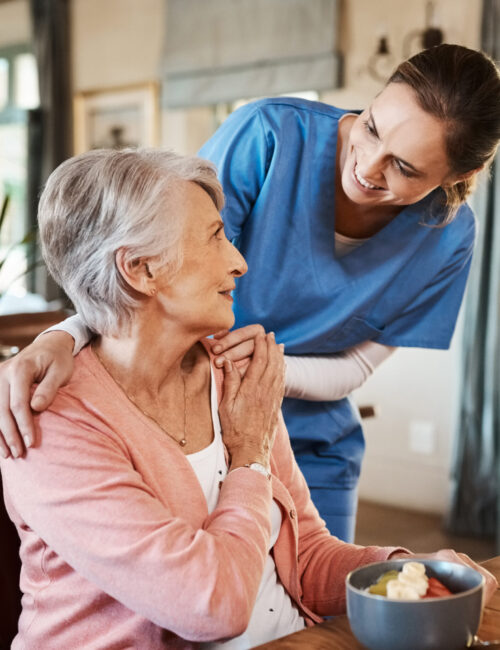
[49, 361]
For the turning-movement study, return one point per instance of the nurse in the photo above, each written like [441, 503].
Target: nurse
[358, 240]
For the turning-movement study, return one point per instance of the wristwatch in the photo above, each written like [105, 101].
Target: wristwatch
[257, 467]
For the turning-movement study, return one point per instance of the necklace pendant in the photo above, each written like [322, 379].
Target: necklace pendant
[183, 442]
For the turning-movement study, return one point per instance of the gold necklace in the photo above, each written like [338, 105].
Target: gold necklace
[183, 441]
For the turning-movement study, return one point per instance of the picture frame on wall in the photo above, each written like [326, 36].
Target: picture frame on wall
[126, 116]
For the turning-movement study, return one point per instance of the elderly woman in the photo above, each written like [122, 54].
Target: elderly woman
[162, 506]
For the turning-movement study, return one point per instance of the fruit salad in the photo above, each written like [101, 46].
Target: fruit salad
[411, 583]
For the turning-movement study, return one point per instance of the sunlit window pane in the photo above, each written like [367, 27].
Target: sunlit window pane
[25, 81]
[13, 182]
[4, 83]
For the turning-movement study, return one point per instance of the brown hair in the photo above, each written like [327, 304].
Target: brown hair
[461, 87]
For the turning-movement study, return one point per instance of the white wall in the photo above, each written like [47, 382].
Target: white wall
[413, 387]
[15, 26]
[365, 20]
[116, 42]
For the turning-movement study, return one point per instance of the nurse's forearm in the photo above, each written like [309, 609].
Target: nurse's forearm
[331, 377]
[75, 327]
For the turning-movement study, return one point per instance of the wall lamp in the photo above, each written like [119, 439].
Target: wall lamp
[382, 62]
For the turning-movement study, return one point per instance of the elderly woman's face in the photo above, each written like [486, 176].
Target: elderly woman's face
[396, 153]
[199, 295]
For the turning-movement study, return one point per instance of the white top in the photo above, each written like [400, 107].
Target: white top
[274, 614]
[345, 245]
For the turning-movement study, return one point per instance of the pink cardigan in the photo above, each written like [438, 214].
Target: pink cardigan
[118, 548]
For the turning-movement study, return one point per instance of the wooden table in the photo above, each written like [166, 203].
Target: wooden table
[336, 633]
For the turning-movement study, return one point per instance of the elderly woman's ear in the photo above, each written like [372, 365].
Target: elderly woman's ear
[136, 272]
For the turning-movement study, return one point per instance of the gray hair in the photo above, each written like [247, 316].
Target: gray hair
[104, 200]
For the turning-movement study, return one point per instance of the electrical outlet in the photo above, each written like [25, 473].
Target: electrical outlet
[422, 437]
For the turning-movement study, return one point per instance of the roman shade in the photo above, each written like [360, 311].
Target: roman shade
[218, 51]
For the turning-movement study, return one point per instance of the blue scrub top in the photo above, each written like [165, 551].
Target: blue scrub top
[403, 287]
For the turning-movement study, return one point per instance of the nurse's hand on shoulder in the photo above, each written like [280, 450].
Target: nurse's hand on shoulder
[448, 554]
[236, 346]
[48, 361]
[251, 405]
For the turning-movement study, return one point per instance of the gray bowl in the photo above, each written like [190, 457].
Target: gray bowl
[448, 623]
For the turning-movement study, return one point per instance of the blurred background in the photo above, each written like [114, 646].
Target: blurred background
[77, 74]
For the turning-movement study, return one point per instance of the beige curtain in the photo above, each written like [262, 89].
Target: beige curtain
[49, 127]
[475, 504]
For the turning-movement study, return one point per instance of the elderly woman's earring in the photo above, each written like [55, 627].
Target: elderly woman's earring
[152, 292]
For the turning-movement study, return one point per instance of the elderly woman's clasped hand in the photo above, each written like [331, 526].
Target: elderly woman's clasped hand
[250, 407]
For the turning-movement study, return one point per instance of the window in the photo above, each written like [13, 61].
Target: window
[222, 111]
[18, 93]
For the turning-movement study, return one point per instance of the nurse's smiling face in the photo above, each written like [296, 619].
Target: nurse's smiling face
[396, 152]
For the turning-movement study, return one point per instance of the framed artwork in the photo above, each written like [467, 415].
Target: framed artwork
[127, 116]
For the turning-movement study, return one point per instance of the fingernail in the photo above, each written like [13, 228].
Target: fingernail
[217, 349]
[271, 334]
[282, 346]
[219, 362]
[3, 453]
[14, 452]
[27, 441]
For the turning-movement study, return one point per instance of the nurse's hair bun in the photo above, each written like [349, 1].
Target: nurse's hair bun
[461, 87]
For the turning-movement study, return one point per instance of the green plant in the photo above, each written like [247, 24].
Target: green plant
[28, 238]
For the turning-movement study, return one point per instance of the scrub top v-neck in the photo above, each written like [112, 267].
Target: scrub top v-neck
[402, 287]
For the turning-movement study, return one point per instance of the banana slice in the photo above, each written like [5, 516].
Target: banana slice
[420, 584]
[416, 569]
[400, 591]
[413, 574]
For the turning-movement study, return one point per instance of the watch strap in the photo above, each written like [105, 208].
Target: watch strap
[257, 467]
